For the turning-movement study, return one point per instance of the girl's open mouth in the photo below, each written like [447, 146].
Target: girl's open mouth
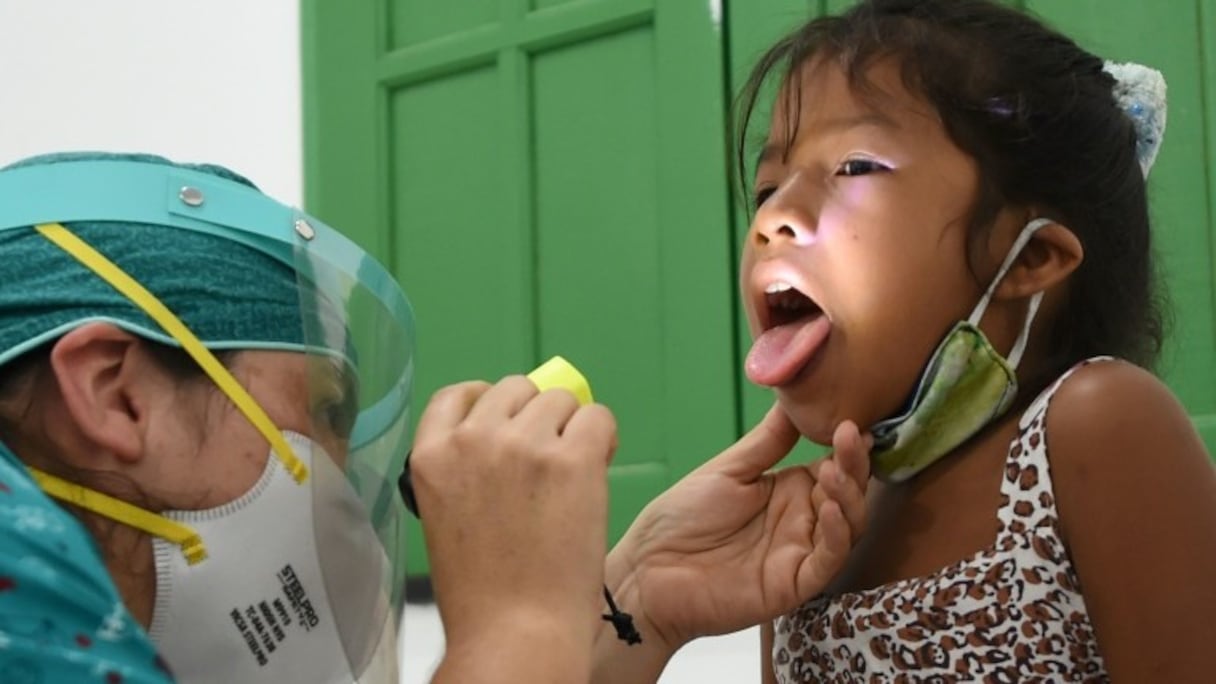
[793, 328]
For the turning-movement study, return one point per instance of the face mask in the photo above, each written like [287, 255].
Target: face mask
[260, 604]
[965, 386]
[271, 607]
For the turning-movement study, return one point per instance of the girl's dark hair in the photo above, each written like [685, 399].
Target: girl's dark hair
[1038, 115]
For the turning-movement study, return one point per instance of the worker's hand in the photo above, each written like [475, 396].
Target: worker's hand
[513, 488]
[733, 544]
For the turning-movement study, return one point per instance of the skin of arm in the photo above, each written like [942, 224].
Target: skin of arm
[520, 646]
[767, 675]
[1136, 493]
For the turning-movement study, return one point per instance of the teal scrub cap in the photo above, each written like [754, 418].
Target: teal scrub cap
[247, 300]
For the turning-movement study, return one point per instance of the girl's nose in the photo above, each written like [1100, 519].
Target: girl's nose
[782, 226]
[789, 215]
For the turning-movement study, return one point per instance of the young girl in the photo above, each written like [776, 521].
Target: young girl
[951, 247]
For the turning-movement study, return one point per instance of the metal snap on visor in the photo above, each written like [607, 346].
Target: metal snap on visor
[189, 196]
[304, 230]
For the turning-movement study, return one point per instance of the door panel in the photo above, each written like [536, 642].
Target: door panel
[543, 178]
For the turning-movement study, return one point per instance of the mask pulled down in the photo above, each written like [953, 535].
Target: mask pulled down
[965, 386]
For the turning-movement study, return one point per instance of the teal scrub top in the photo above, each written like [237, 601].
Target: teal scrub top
[61, 617]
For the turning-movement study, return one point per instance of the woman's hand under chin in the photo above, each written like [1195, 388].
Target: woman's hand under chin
[732, 545]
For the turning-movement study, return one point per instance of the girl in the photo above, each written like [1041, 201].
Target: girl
[951, 241]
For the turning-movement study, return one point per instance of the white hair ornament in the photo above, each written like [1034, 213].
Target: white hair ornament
[1140, 92]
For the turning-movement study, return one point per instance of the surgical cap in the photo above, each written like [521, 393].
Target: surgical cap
[230, 295]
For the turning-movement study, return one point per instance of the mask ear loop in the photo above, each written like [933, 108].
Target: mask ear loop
[185, 537]
[1019, 345]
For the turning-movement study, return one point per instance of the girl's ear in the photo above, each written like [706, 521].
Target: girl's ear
[1051, 255]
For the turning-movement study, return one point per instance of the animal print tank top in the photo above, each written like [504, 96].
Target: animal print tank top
[1011, 613]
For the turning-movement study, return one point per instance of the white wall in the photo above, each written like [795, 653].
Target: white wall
[215, 81]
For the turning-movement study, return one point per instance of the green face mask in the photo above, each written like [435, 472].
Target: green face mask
[966, 385]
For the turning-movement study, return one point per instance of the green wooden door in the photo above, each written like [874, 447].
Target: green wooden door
[544, 178]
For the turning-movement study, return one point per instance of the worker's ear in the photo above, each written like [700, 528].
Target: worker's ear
[107, 382]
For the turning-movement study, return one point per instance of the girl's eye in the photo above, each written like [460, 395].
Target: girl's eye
[762, 196]
[860, 167]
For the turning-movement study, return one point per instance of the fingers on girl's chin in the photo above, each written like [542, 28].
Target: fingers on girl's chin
[831, 513]
[839, 435]
[847, 437]
[853, 456]
[834, 527]
[862, 474]
[847, 501]
[825, 477]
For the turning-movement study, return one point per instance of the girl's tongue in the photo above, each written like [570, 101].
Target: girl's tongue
[779, 353]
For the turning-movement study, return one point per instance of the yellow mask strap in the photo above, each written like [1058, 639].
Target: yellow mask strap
[141, 297]
[121, 511]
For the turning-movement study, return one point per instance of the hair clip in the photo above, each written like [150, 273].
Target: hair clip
[1140, 92]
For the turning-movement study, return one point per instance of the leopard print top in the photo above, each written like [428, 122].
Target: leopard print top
[1013, 612]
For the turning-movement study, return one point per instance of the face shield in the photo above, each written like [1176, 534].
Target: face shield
[360, 329]
[355, 335]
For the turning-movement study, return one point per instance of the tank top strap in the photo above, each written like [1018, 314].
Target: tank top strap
[1027, 495]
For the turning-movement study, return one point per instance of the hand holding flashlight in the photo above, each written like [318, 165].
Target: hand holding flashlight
[555, 373]
[513, 480]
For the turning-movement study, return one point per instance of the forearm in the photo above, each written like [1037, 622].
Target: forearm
[523, 649]
[508, 663]
[613, 660]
